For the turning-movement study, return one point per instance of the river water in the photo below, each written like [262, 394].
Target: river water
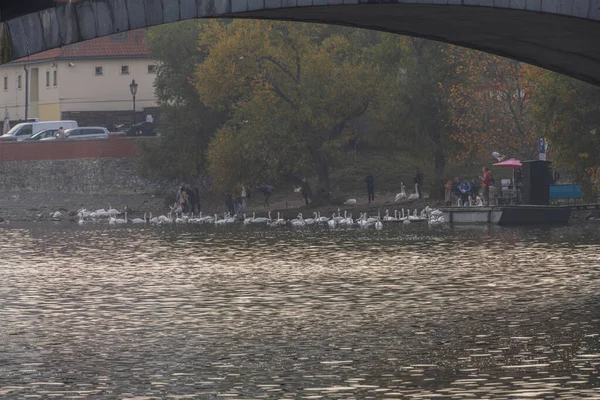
[206, 312]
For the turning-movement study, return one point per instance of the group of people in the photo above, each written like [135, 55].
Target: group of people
[187, 199]
[237, 205]
[467, 191]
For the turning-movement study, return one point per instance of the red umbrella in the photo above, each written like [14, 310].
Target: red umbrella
[512, 163]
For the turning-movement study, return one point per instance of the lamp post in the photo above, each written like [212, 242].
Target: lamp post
[133, 87]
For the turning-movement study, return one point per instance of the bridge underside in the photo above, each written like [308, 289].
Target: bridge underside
[567, 43]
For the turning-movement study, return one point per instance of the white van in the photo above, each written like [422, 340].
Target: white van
[25, 130]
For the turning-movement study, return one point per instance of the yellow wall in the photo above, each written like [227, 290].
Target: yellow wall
[49, 112]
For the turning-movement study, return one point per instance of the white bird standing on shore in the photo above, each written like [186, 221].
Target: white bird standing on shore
[415, 195]
[401, 197]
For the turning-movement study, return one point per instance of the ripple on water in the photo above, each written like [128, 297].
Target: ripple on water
[181, 312]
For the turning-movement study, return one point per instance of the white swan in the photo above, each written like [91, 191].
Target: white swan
[279, 220]
[414, 217]
[322, 220]
[364, 222]
[121, 221]
[436, 217]
[388, 218]
[112, 210]
[261, 220]
[299, 222]
[310, 221]
[350, 202]
[139, 220]
[57, 215]
[349, 221]
[415, 195]
[332, 223]
[338, 217]
[249, 220]
[400, 197]
[378, 225]
[81, 220]
[218, 221]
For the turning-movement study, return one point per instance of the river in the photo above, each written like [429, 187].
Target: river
[207, 312]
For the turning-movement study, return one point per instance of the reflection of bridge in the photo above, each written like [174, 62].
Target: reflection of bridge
[562, 35]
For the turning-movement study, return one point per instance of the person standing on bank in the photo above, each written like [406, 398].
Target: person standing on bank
[370, 181]
[267, 190]
[419, 181]
[229, 203]
[306, 192]
[244, 195]
[485, 186]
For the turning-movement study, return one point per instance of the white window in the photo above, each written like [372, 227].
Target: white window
[6, 83]
[151, 69]
[55, 78]
[19, 82]
[47, 78]
[124, 69]
[99, 71]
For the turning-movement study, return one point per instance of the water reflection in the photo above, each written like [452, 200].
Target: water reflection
[262, 313]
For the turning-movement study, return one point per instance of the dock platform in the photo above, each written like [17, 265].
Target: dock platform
[508, 215]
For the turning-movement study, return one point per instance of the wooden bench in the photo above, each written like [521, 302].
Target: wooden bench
[565, 192]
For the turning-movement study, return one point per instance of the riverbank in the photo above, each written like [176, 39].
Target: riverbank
[34, 206]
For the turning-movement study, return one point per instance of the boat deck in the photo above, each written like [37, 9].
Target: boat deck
[508, 215]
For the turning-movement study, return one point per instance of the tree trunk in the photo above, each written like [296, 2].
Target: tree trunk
[322, 194]
[437, 191]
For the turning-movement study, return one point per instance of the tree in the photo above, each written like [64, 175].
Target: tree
[413, 110]
[490, 106]
[567, 112]
[291, 89]
[186, 123]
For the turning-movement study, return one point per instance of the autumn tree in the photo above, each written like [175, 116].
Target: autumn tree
[567, 112]
[490, 106]
[291, 90]
[186, 123]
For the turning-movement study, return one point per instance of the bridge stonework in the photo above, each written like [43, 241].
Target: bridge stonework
[562, 35]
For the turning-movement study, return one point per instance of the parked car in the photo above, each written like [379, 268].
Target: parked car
[46, 133]
[83, 133]
[25, 130]
[142, 129]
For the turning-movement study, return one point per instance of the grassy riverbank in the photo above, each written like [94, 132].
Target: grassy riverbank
[347, 182]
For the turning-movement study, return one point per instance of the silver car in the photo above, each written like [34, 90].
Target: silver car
[83, 133]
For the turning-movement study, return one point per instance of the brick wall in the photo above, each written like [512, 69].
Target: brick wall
[114, 147]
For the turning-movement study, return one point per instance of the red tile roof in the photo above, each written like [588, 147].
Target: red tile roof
[126, 44]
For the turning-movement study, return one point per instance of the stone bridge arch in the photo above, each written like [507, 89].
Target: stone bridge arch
[561, 35]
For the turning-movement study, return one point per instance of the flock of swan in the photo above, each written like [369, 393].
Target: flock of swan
[339, 219]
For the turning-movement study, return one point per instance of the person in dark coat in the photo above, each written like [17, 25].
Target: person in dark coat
[193, 199]
[370, 181]
[418, 179]
[229, 203]
[306, 192]
[267, 191]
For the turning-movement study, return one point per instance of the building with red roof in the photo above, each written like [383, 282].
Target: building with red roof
[88, 82]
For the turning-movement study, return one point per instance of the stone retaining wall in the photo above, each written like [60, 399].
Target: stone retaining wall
[101, 176]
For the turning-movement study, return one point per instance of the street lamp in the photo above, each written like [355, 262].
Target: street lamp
[133, 87]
